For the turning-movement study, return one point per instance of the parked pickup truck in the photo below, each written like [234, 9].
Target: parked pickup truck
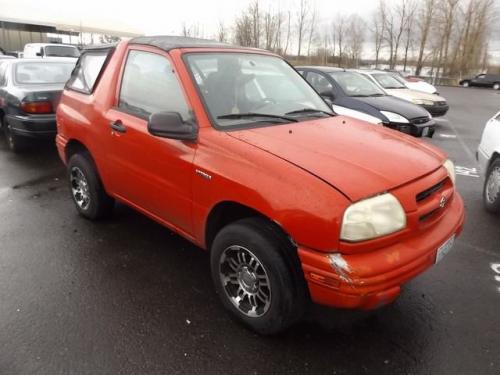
[231, 148]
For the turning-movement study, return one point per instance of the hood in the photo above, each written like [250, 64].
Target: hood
[357, 158]
[408, 94]
[421, 86]
[392, 104]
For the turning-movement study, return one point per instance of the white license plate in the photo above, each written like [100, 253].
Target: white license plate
[445, 248]
[425, 131]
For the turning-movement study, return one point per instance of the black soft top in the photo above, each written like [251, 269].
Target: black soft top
[168, 43]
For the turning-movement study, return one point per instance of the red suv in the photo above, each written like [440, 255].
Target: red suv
[231, 148]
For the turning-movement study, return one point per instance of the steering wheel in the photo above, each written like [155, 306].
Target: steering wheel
[263, 103]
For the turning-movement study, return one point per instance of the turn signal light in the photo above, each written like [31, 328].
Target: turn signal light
[37, 107]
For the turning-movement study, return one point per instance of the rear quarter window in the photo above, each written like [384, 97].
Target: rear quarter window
[88, 70]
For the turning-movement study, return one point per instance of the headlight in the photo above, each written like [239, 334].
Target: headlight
[394, 117]
[422, 102]
[450, 167]
[372, 217]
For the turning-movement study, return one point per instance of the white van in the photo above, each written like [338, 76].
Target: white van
[47, 50]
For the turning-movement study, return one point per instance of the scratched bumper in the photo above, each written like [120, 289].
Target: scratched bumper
[372, 279]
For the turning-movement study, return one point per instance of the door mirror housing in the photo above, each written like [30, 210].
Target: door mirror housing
[171, 125]
[40, 53]
[328, 97]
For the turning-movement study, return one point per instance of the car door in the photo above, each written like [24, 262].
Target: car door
[150, 173]
[479, 80]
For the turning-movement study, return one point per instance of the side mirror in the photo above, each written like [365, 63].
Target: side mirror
[328, 97]
[170, 125]
[40, 53]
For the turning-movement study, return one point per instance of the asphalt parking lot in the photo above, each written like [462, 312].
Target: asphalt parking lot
[126, 296]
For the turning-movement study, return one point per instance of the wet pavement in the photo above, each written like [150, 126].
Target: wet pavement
[126, 296]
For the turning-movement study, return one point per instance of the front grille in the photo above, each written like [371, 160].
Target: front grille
[419, 120]
[428, 192]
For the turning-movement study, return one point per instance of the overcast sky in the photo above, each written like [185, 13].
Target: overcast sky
[167, 17]
[159, 17]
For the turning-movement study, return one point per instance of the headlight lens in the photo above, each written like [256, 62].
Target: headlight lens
[450, 167]
[372, 218]
[423, 102]
[394, 117]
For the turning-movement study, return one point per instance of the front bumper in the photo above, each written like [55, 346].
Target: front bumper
[425, 129]
[437, 110]
[33, 126]
[372, 279]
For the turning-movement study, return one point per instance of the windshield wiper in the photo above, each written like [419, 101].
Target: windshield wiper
[251, 114]
[309, 110]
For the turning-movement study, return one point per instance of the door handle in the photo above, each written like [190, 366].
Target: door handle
[118, 126]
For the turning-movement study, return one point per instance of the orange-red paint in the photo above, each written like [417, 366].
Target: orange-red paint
[322, 167]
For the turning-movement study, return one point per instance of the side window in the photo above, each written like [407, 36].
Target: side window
[87, 71]
[481, 76]
[319, 82]
[149, 85]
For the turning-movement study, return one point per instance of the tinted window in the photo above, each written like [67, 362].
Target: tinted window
[355, 84]
[42, 72]
[61, 51]
[89, 67]
[319, 82]
[149, 85]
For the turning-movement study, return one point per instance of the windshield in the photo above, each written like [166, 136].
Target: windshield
[236, 87]
[355, 84]
[43, 72]
[388, 81]
[61, 51]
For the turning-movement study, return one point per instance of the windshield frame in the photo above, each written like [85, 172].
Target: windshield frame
[250, 124]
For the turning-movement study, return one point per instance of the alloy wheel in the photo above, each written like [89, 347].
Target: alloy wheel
[245, 281]
[79, 188]
[493, 185]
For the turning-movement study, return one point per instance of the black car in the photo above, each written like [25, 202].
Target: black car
[352, 90]
[483, 80]
[29, 94]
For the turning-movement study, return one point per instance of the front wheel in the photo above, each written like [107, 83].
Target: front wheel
[88, 194]
[491, 191]
[465, 84]
[253, 277]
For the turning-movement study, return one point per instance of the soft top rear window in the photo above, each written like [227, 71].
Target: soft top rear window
[88, 70]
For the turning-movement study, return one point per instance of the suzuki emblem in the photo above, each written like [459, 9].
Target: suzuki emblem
[442, 201]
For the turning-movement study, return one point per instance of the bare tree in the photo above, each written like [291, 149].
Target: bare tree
[378, 29]
[354, 39]
[312, 29]
[301, 22]
[408, 32]
[340, 34]
[426, 16]
[222, 32]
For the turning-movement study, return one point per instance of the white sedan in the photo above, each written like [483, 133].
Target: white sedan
[488, 155]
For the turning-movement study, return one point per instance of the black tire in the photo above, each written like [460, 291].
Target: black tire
[465, 84]
[496, 86]
[15, 143]
[287, 289]
[99, 204]
[491, 193]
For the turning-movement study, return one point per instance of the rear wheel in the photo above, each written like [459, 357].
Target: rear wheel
[90, 199]
[465, 84]
[491, 191]
[254, 277]
[16, 144]
[496, 86]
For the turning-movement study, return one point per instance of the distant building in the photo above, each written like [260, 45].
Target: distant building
[14, 34]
